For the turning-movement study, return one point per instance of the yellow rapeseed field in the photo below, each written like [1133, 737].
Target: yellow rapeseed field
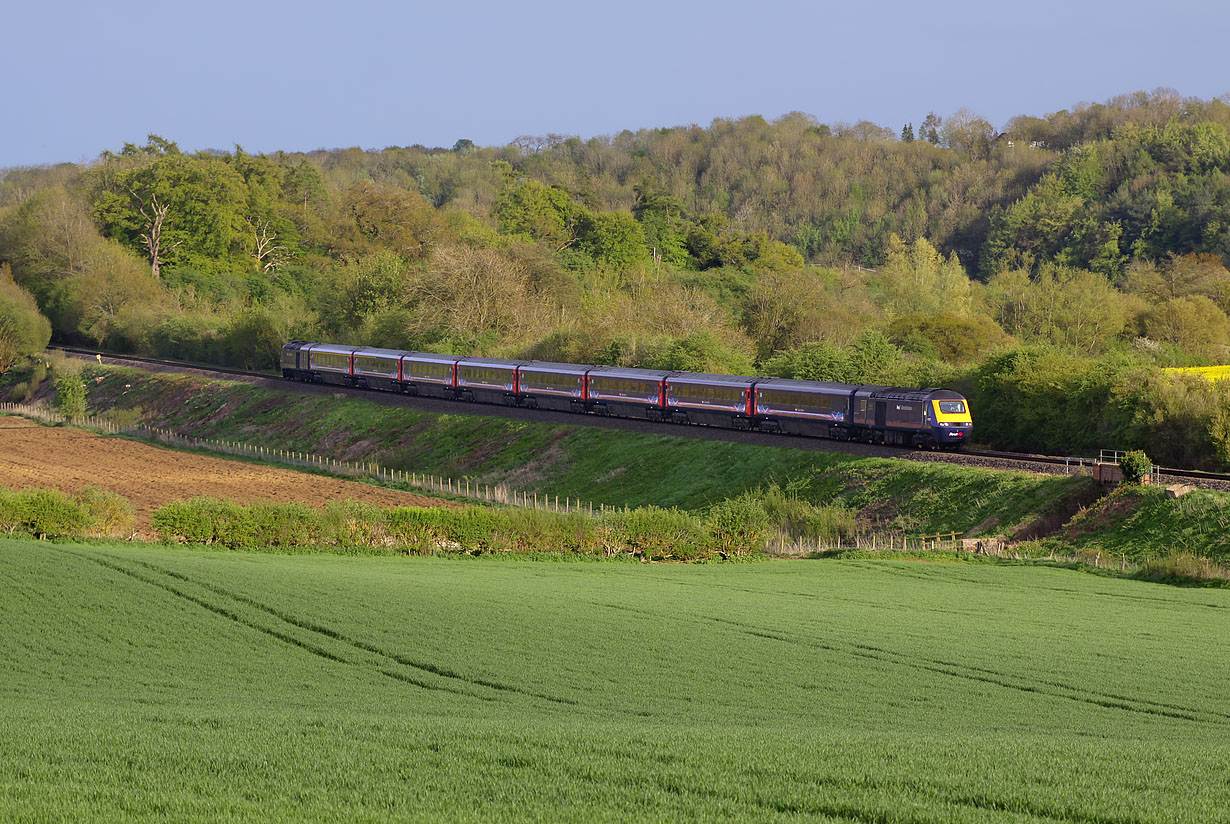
[1213, 373]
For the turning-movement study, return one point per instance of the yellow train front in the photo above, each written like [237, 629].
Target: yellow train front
[911, 417]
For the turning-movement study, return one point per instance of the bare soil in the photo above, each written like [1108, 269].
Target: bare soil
[148, 476]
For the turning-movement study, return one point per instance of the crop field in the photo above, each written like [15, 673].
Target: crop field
[142, 683]
[71, 459]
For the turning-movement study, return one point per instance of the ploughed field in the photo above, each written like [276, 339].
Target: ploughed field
[71, 459]
[175, 684]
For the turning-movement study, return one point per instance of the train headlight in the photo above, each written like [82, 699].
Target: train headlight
[943, 423]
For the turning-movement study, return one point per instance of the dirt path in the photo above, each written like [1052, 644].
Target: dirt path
[70, 459]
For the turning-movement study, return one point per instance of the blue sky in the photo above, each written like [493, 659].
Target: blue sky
[79, 78]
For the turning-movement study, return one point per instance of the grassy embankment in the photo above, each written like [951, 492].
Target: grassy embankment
[603, 466]
[156, 684]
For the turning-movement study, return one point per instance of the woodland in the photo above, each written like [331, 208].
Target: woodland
[1060, 272]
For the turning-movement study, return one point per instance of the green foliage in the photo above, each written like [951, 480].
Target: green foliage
[108, 513]
[800, 519]
[1136, 466]
[43, 513]
[70, 392]
[947, 335]
[23, 330]
[818, 361]
[655, 533]
[204, 198]
[1073, 308]
[738, 526]
[1038, 398]
[1082, 214]
[699, 352]
[917, 278]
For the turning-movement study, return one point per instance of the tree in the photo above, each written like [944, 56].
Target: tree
[1069, 307]
[23, 330]
[907, 133]
[969, 134]
[393, 219]
[1192, 322]
[175, 207]
[538, 211]
[613, 239]
[917, 278]
[947, 335]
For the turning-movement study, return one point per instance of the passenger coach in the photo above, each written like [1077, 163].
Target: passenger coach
[876, 414]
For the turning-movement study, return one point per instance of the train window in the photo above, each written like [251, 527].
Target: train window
[952, 407]
[330, 360]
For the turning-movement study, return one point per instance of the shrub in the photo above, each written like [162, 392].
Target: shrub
[11, 511]
[472, 528]
[653, 532]
[351, 525]
[194, 520]
[1136, 466]
[70, 393]
[49, 513]
[109, 513]
[738, 526]
[281, 524]
[420, 529]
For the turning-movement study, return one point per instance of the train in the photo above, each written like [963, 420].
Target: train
[901, 416]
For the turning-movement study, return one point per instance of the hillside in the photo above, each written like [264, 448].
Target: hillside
[612, 467]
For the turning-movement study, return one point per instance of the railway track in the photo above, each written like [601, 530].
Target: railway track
[1046, 464]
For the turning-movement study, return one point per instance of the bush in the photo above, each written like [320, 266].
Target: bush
[351, 525]
[70, 393]
[43, 513]
[1136, 466]
[281, 524]
[420, 530]
[738, 526]
[109, 513]
[654, 532]
[194, 520]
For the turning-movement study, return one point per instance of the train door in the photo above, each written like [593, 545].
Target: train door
[881, 413]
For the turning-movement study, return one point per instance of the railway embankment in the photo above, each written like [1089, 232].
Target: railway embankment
[814, 495]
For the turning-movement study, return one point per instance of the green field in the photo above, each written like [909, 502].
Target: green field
[164, 684]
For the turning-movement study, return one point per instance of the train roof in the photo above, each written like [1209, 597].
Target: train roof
[564, 368]
[430, 357]
[395, 354]
[509, 364]
[329, 348]
[906, 393]
[705, 377]
[631, 372]
[807, 386]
